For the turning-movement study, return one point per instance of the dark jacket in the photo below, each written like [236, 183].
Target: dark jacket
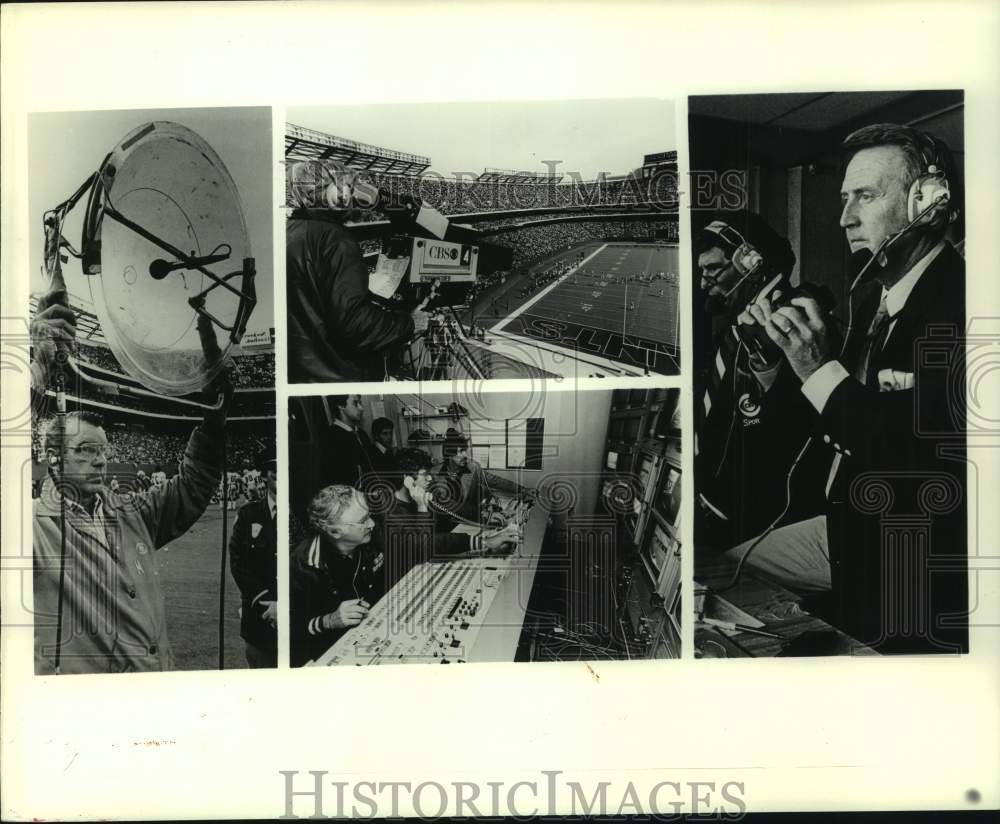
[253, 560]
[747, 441]
[335, 331]
[346, 457]
[321, 578]
[384, 463]
[461, 494]
[411, 537]
[896, 511]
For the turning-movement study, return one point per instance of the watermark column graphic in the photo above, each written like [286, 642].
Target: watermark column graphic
[965, 367]
[907, 561]
[90, 607]
[16, 440]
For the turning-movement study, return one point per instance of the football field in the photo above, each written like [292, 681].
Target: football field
[189, 574]
[620, 303]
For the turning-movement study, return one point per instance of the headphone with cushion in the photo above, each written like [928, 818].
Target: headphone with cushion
[929, 198]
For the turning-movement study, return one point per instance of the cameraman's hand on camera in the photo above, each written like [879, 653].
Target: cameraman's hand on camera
[421, 318]
[802, 333]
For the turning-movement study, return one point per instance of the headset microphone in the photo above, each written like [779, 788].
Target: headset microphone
[925, 216]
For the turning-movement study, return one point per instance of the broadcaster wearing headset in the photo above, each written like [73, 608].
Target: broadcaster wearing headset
[884, 417]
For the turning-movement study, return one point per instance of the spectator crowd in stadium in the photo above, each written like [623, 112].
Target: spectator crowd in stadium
[254, 370]
[459, 195]
[132, 447]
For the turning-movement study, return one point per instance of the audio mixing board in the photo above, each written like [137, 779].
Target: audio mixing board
[436, 612]
[432, 615]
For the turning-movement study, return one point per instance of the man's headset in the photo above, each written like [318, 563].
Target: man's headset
[929, 199]
[929, 203]
[745, 259]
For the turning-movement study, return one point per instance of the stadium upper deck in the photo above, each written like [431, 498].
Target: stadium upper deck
[470, 197]
[252, 374]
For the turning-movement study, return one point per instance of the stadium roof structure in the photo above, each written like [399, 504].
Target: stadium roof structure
[492, 175]
[656, 158]
[308, 144]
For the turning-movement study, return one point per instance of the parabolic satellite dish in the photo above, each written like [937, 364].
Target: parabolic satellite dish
[166, 253]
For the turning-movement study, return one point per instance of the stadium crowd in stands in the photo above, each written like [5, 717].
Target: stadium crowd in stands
[249, 370]
[532, 243]
[458, 195]
[135, 446]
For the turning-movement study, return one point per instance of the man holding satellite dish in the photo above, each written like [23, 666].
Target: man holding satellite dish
[98, 603]
[165, 256]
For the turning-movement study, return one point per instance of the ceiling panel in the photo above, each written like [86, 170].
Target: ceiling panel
[750, 108]
[832, 110]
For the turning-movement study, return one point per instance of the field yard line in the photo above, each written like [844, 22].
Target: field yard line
[546, 290]
[570, 356]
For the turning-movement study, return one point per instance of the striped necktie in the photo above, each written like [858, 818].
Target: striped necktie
[874, 341]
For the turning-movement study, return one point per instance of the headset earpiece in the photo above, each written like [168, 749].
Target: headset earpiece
[746, 259]
[929, 195]
[929, 198]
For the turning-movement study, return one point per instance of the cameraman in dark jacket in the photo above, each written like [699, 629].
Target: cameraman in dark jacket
[336, 332]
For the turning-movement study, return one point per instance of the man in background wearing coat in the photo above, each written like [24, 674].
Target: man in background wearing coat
[253, 559]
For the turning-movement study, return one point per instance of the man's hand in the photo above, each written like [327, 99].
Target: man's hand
[348, 614]
[421, 319]
[270, 612]
[214, 421]
[501, 539]
[755, 317]
[422, 497]
[802, 334]
[53, 328]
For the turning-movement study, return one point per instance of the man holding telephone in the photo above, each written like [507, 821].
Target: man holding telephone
[410, 517]
[883, 421]
[745, 437]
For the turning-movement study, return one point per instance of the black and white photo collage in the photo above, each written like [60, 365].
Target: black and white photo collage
[613, 381]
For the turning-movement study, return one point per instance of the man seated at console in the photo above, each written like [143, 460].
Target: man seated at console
[336, 572]
[409, 521]
[464, 491]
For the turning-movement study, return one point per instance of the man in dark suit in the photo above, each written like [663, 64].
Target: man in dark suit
[347, 453]
[253, 559]
[890, 551]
